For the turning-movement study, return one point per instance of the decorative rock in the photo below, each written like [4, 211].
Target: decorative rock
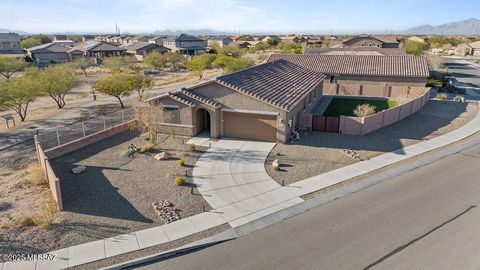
[166, 210]
[276, 163]
[78, 169]
[161, 156]
[354, 155]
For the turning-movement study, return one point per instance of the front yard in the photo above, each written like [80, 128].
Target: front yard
[114, 195]
[318, 152]
[345, 106]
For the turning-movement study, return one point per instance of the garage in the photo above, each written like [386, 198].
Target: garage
[250, 126]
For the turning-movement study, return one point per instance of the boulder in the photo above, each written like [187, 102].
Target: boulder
[78, 169]
[276, 163]
[161, 156]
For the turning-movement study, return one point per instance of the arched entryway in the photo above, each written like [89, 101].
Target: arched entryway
[203, 121]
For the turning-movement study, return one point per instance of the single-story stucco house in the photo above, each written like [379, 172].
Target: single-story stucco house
[263, 102]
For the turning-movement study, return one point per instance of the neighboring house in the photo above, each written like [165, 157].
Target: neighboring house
[293, 39]
[259, 103]
[475, 48]
[60, 37]
[50, 53]
[367, 41]
[220, 41]
[245, 44]
[10, 43]
[242, 38]
[356, 51]
[157, 40]
[140, 49]
[185, 44]
[87, 37]
[64, 42]
[274, 38]
[94, 48]
[381, 74]
[140, 39]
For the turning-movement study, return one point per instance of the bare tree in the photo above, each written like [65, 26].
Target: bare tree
[147, 119]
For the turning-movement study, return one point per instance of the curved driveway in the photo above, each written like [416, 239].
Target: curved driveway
[231, 176]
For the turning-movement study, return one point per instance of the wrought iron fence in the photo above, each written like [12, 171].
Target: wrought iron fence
[66, 134]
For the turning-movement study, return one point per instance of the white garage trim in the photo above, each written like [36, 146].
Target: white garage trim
[250, 111]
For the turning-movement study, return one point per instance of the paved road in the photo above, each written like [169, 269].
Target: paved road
[464, 71]
[425, 219]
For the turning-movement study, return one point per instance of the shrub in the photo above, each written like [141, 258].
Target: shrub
[276, 168]
[179, 181]
[36, 175]
[193, 147]
[102, 109]
[84, 116]
[23, 222]
[181, 163]
[364, 110]
[49, 214]
[461, 91]
[441, 96]
[434, 82]
[147, 148]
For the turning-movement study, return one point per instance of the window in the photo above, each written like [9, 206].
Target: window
[334, 79]
[14, 45]
[370, 45]
[171, 115]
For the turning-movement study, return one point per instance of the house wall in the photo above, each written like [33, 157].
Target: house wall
[365, 42]
[185, 125]
[48, 58]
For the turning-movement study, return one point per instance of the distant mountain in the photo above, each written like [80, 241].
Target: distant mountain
[466, 27]
[22, 33]
[196, 32]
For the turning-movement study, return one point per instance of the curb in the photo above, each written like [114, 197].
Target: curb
[197, 245]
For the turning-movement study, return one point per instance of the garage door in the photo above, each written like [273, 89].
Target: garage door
[259, 127]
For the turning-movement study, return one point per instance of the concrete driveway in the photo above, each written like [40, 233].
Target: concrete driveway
[232, 178]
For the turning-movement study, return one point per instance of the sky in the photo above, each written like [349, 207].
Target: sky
[232, 16]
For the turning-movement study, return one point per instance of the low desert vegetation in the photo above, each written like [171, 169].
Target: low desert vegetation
[36, 176]
[441, 96]
[181, 163]
[364, 110]
[192, 147]
[179, 181]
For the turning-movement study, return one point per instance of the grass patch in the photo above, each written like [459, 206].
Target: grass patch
[345, 106]
[36, 176]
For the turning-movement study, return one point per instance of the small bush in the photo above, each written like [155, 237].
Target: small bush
[181, 163]
[364, 110]
[179, 181]
[24, 222]
[441, 96]
[102, 109]
[276, 168]
[84, 116]
[36, 175]
[461, 91]
[49, 214]
[147, 148]
[434, 82]
[193, 147]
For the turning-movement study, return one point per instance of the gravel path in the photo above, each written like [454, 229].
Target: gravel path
[319, 152]
[113, 196]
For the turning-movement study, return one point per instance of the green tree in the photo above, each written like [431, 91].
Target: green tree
[9, 66]
[156, 60]
[17, 94]
[200, 63]
[83, 64]
[236, 64]
[42, 38]
[118, 63]
[174, 59]
[414, 47]
[230, 51]
[57, 81]
[29, 43]
[272, 42]
[117, 85]
[291, 48]
[140, 83]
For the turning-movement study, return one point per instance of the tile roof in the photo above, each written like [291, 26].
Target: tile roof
[280, 83]
[201, 98]
[95, 46]
[356, 51]
[184, 37]
[180, 98]
[364, 65]
[9, 37]
[50, 48]
[134, 46]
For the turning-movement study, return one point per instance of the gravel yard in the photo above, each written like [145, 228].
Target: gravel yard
[319, 152]
[114, 195]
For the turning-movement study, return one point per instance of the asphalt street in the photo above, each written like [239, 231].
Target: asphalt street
[425, 219]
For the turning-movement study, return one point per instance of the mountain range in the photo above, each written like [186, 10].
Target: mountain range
[465, 27]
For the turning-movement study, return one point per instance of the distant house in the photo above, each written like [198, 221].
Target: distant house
[367, 41]
[220, 41]
[157, 39]
[140, 39]
[293, 39]
[140, 49]
[242, 38]
[245, 44]
[50, 53]
[475, 48]
[356, 51]
[94, 48]
[274, 38]
[10, 43]
[60, 37]
[185, 44]
[64, 42]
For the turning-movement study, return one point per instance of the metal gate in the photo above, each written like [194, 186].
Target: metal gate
[326, 123]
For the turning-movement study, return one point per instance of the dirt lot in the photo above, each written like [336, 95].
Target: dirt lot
[114, 195]
[319, 152]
